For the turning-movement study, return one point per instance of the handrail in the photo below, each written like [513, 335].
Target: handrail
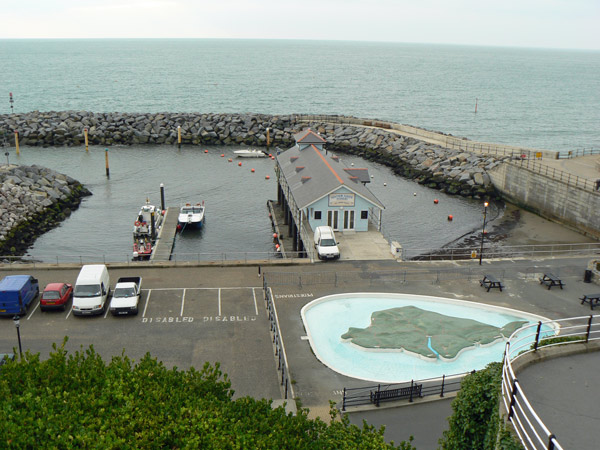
[529, 427]
[279, 348]
[556, 174]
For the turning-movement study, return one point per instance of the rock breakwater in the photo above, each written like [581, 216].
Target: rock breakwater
[451, 171]
[33, 200]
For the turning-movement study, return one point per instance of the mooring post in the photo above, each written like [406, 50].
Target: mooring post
[106, 159]
[152, 227]
[17, 142]
[179, 136]
[162, 197]
[85, 137]
[268, 138]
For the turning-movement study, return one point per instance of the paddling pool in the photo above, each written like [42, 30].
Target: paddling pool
[328, 318]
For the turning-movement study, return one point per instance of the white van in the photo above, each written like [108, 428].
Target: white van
[92, 289]
[325, 243]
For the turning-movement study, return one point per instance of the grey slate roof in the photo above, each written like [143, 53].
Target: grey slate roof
[311, 174]
[308, 137]
[361, 174]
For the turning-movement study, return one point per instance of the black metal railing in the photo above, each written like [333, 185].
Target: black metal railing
[278, 347]
[366, 395]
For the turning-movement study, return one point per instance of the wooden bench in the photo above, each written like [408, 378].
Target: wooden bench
[592, 299]
[489, 282]
[550, 280]
[397, 394]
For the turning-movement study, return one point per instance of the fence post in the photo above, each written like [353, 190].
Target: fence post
[344, 400]
[410, 399]
[377, 395]
[443, 384]
[537, 336]
[551, 442]
[589, 328]
[513, 398]
[286, 388]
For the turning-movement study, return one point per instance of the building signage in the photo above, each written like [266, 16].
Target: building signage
[341, 199]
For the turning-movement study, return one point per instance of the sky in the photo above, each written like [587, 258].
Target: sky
[513, 23]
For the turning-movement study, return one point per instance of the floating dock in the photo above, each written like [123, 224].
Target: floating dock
[166, 236]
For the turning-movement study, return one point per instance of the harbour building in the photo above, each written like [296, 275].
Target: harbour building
[315, 188]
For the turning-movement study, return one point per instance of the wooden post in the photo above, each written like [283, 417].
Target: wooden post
[85, 136]
[17, 141]
[106, 159]
[179, 136]
[162, 197]
[268, 138]
[475, 105]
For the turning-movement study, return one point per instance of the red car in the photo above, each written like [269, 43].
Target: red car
[56, 296]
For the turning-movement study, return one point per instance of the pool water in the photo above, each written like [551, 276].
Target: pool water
[328, 318]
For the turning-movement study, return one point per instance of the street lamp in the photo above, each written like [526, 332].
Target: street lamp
[17, 323]
[485, 205]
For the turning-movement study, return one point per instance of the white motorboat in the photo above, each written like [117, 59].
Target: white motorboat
[250, 153]
[191, 216]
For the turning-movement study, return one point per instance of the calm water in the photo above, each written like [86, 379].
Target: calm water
[236, 212]
[531, 97]
[537, 98]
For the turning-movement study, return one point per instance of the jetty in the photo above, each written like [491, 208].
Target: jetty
[166, 236]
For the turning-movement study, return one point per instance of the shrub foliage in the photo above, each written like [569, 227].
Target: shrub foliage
[79, 401]
[475, 423]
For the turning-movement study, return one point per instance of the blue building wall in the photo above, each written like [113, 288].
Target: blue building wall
[338, 204]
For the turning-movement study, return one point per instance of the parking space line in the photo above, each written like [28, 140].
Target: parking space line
[255, 306]
[219, 301]
[31, 313]
[107, 308]
[69, 313]
[182, 303]
[147, 301]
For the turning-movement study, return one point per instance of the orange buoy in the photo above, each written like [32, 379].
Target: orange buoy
[435, 201]
[274, 235]
[267, 177]
[270, 155]
[230, 160]
[450, 217]
[205, 151]
[240, 164]
[277, 246]
[222, 155]
[252, 170]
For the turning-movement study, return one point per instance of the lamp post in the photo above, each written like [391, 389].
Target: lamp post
[485, 205]
[17, 323]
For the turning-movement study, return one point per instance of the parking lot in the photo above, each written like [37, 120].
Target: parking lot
[182, 326]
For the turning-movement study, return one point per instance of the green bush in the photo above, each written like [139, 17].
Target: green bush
[475, 423]
[79, 401]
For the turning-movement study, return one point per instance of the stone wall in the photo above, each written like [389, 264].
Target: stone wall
[452, 171]
[575, 207]
[33, 200]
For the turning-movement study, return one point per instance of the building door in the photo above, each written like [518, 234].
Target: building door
[332, 219]
[349, 219]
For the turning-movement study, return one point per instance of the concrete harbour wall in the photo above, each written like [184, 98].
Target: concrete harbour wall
[577, 208]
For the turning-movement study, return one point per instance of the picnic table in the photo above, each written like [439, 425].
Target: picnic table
[592, 299]
[489, 282]
[549, 279]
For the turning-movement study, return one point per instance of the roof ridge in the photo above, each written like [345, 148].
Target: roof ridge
[327, 164]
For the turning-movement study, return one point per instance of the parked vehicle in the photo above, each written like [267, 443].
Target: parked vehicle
[126, 296]
[56, 296]
[92, 289]
[325, 243]
[17, 293]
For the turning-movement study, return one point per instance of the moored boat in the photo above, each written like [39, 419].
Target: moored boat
[191, 216]
[145, 230]
[250, 153]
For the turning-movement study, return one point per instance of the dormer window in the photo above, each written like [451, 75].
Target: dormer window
[299, 168]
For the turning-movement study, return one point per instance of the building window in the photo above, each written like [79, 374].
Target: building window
[364, 215]
[317, 215]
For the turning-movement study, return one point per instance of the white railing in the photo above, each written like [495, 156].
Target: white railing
[529, 427]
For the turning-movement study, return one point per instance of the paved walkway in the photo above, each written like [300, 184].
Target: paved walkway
[582, 166]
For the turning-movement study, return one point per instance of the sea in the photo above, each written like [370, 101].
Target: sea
[539, 98]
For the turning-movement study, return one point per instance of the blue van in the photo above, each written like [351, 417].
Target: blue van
[17, 292]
